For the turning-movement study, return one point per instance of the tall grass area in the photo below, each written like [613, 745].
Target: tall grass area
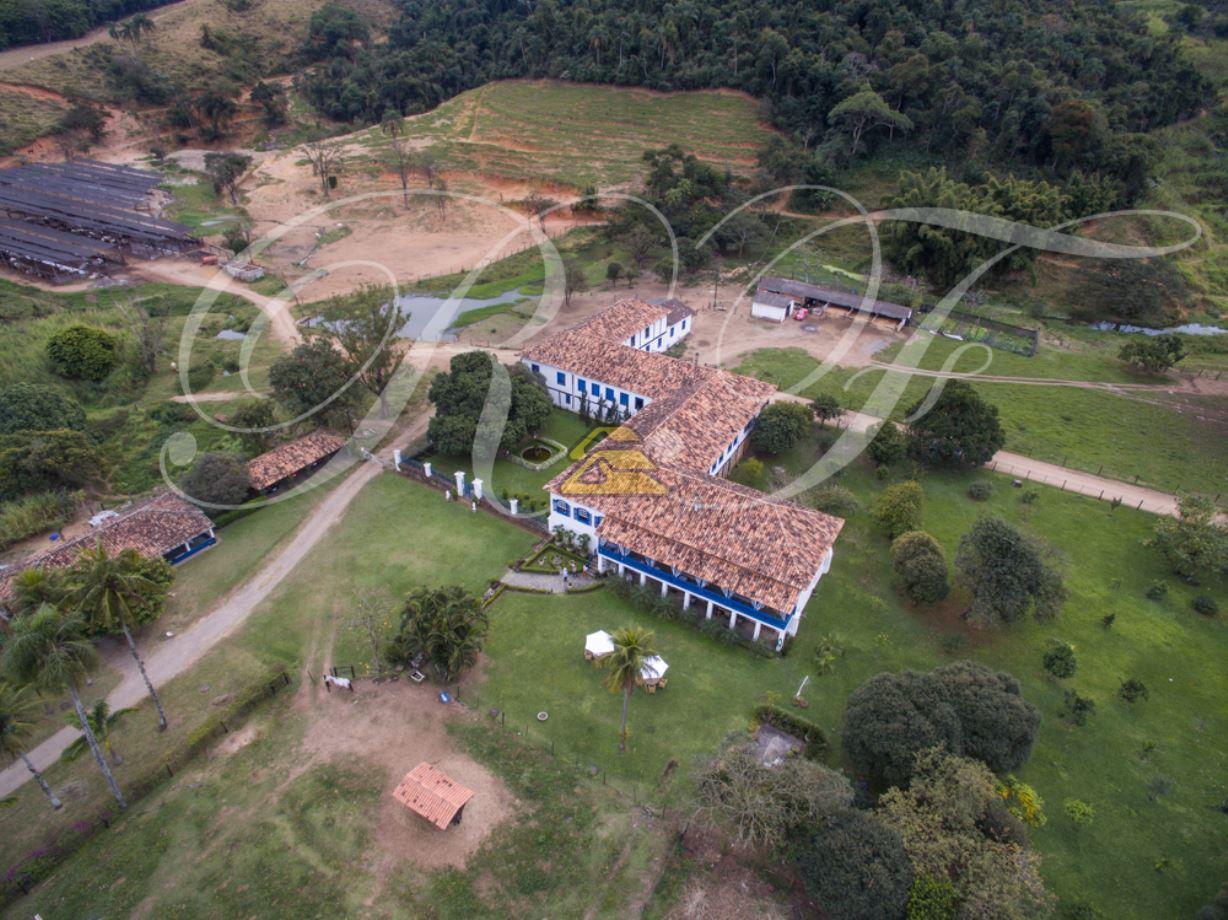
[1170, 444]
[25, 119]
[33, 514]
[514, 129]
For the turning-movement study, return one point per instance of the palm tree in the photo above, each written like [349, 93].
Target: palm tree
[34, 587]
[16, 720]
[631, 646]
[105, 588]
[101, 720]
[48, 651]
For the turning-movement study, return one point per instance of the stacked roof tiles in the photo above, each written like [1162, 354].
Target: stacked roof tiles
[152, 527]
[292, 458]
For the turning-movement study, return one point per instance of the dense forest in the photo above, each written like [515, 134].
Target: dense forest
[27, 22]
[1066, 86]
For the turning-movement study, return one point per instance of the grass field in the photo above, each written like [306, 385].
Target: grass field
[26, 118]
[579, 134]
[1151, 771]
[1174, 443]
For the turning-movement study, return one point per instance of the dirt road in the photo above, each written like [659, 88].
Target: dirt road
[172, 658]
[182, 271]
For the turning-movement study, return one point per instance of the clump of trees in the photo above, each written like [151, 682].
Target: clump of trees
[888, 445]
[959, 429]
[461, 394]
[1154, 353]
[35, 407]
[780, 426]
[1193, 543]
[1008, 574]
[43, 461]
[443, 627]
[315, 378]
[968, 708]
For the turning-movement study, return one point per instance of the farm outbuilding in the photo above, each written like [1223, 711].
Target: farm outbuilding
[820, 297]
[769, 305]
[431, 794]
[79, 219]
[275, 469]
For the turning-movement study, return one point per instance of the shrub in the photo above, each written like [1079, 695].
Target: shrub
[826, 408]
[1076, 709]
[34, 407]
[1060, 661]
[980, 491]
[748, 473]
[826, 654]
[1108, 620]
[931, 899]
[1157, 591]
[920, 567]
[898, 509]
[1079, 812]
[1029, 496]
[1023, 802]
[83, 353]
[217, 479]
[835, 499]
[1205, 604]
[1132, 690]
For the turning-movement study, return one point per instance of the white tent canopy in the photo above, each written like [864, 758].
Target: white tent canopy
[654, 668]
[598, 644]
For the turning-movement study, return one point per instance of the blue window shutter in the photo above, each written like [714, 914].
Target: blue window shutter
[580, 384]
[536, 368]
[639, 402]
[560, 377]
[624, 398]
[609, 393]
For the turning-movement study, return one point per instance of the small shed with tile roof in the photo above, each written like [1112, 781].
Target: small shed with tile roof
[288, 460]
[433, 795]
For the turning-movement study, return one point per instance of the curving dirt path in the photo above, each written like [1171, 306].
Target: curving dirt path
[1201, 385]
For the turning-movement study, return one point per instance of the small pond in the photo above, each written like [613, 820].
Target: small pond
[431, 317]
[536, 452]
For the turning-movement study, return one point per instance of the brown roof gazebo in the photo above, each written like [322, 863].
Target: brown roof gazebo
[433, 795]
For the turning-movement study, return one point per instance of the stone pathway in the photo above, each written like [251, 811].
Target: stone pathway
[539, 581]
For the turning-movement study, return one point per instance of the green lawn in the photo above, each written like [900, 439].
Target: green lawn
[564, 427]
[1169, 442]
[1153, 772]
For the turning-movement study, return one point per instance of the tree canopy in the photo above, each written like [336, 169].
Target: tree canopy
[960, 428]
[217, 478]
[1007, 573]
[965, 707]
[460, 395]
[854, 866]
[1052, 86]
[780, 426]
[83, 353]
[446, 626]
[35, 407]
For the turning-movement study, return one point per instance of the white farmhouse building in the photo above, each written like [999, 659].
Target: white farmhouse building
[651, 497]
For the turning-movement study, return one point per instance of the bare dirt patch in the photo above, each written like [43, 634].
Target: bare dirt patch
[396, 726]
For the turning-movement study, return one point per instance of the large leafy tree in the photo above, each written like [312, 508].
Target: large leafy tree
[761, 803]
[108, 590]
[49, 652]
[1008, 574]
[1194, 542]
[959, 429]
[863, 110]
[780, 426]
[920, 567]
[445, 626]
[966, 707]
[900, 508]
[632, 646]
[954, 825]
[83, 353]
[460, 396]
[315, 377]
[367, 324]
[39, 461]
[17, 716]
[1155, 353]
[217, 478]
[853, 865]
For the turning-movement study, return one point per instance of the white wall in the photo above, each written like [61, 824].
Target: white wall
[767, 311]
[566, 394]
[569, 522]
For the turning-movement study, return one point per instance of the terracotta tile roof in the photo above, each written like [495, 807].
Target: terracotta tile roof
[692, 427]
[678, 311]
[286, 460]
[593, 349]
[151, 527]
[427, 792]
[732, 536]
